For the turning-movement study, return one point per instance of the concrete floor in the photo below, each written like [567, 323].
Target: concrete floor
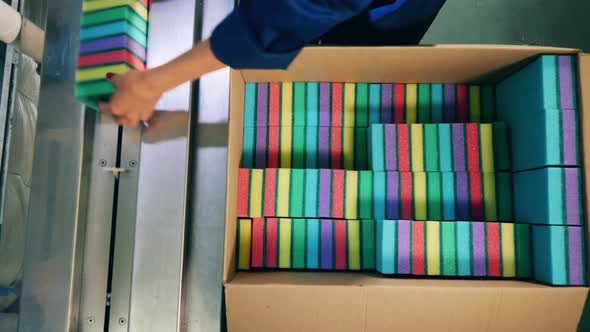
[534, 22]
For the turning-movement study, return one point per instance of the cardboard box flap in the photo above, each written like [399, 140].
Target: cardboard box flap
[327, 302]
[414, 64]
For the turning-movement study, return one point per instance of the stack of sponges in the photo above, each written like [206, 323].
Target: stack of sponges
[559, 254]
[323, 163]
[539, 104]
[551, 195]
[338, 104]
[453, 248]
[551, 198]
[327, 193]
[323, 125]
[458, 147]
[306, 244]
[113, 39]
[305, 147]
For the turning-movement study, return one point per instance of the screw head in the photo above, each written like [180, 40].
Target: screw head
[133, 163]
[122, 321]
[90, 320]
[102, 163]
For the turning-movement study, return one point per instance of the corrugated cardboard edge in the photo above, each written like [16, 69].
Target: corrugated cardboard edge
[313, 63]
[236, 119]
[584, 105]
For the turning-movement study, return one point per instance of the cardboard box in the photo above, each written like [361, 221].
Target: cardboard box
[314, 301]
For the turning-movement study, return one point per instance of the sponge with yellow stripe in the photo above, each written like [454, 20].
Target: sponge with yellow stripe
[113, 39]
[456, 248]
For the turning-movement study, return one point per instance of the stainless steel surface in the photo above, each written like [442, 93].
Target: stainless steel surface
[161, 195]
[125, 232]
[98, 225]
[203, 290]
[35, 11]
[9, 78]
[52, 271]
[7, 100]
[4, 93]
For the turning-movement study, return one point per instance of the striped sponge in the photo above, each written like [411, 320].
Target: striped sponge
[326, 193]
[324, 244]
[550, 195]
[549, 82]
[438, 147]
[299, 193]
[361, 104]
[113, 39]
[539, 105]
[559, 255]
[305, 147]
[442, 196]
[549, 137]
[455, 248]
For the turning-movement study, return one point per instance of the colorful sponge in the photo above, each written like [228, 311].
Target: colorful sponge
[113, 39]
[299, 193]
[303, 104]
[442, 196]
[548, 137]
[549, 82]
[438, 147]
[244, 243]
[539, 105]
[327, 193]
[453, 248]
[360, 104]
[305, 147]
[559, 255]
[326, 244]
[548, 196]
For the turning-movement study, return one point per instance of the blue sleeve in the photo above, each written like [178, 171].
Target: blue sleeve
[268, 34]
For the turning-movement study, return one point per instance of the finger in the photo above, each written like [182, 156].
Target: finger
[118, 111]
[120, 105]
[120, 120]
[113, 78]
[146, 116]
[114, 106]
[132, 124]
[104, 107]
[130, 121]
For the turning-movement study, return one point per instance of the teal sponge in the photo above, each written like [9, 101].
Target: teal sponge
[548, 196]
[559, 255]
[546, 83]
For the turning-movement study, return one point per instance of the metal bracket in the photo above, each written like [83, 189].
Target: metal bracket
[116, 171]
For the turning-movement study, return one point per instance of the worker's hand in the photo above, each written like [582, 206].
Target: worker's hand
[134, 100]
